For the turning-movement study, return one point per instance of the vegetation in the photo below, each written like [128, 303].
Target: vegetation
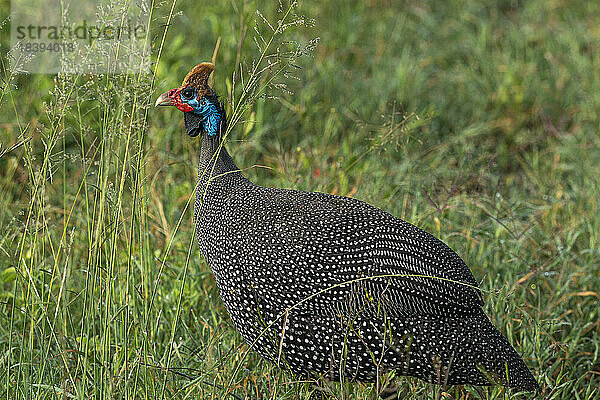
[476, 121]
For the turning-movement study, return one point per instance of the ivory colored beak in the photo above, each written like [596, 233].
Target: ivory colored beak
[163, 100]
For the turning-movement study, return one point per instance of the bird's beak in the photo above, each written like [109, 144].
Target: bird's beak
[164, 100]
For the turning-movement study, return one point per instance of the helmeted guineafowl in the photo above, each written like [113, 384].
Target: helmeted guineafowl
[330, 286]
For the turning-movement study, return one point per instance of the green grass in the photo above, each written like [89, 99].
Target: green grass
[476, 121]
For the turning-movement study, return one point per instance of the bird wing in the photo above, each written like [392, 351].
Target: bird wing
[337, 254]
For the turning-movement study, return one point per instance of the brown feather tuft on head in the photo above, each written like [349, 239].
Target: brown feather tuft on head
[198, 77]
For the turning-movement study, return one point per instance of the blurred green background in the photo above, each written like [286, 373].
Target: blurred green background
[476, 121]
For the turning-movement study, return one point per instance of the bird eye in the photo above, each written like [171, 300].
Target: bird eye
[188, 93]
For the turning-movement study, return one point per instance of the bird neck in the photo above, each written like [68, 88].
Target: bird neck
[214, 156]
[213, 117]
[215, 162]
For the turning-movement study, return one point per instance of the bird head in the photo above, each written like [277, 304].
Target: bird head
[202, 111]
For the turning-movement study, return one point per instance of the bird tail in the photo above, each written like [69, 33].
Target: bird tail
[467, 351]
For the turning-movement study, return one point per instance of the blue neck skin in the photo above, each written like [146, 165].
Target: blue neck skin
[211, 116]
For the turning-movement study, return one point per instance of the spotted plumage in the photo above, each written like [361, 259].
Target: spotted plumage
[330, 286]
